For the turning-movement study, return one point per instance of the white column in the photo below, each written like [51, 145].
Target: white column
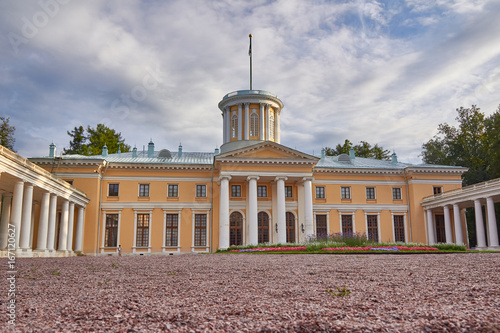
[17, 210]
[43, 222]
[430, 228]
[71, 222]
[63, 228]
[247, 122]
[277, 126]
[51, 231]
[262, 119]
[240, 118]
[308, 207]
[24, 242]
[4, 222]
[253, 228]
[224, 213]
[281, 209]
[80, 220]
[481, 239]
[447, 225]
[268, 133]
[227, 114]
[459, 238]
[492, 223]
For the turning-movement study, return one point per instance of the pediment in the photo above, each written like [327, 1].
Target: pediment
[267, 151]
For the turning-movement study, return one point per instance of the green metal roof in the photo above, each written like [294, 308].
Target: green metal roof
[371, 163]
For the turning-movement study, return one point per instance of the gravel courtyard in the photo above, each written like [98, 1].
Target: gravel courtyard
[257, 292]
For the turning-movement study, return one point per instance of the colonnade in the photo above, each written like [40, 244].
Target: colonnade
[18, 216]
[279, 203]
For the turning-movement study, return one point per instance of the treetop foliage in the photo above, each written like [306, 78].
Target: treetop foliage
[7, 133]
[363, 149]
[474, 143]
[90, 141]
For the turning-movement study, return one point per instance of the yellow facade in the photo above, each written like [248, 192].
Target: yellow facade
[208, 201]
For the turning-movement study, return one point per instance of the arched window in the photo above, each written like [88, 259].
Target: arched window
[271, 125]
[254, 124]
[263, 222]
[290, 227]
[235, 229]
[234, 126]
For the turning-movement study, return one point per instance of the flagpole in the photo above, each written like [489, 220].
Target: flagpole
[250, 54]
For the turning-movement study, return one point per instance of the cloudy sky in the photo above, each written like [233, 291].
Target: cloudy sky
[386, 72]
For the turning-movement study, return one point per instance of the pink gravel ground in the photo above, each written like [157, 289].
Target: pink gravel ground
[257, 292]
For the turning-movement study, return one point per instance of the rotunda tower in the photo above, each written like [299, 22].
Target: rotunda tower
[250, 117]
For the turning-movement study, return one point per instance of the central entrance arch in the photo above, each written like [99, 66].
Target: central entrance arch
[235, 229]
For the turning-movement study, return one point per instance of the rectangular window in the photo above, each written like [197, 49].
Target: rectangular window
[370, 193]
[372, 224]
[200, 229]
[236, 191]
[347, 228]
[437, 190]
[288, 192]
[173, 190]
[201, 191]
[320, 192]
[172, 230]
[396, 193]
[399, 228]
[142, 238]
[113, 190]
[144, 190]
[321, 230]
[262, 191]
[111, 234]
[345, 193]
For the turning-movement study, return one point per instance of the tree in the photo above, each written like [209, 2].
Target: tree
[7, 133]
[492, 125]
[465, 145]
[92, 142]
[363, 149]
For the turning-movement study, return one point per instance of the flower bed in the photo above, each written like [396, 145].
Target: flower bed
[264, 249]
[381, 248]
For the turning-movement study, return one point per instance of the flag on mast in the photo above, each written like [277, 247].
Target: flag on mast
[250, 47]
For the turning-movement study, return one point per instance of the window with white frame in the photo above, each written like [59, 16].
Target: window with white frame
[345, 192]
[396, 193]
[111, 231]
[173, 190]
[236, 191]
[201, 191]
[347, 225]
[200, 229]
[234, 126]
[142, 235]
[262, 191]
[399, 228]
[370, 193]
[254, 124]
[171, 229]
[372, 227]
[144, 190]
[320, 192]
[288, 191]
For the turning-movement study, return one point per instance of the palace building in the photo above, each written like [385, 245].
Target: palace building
[253, 190]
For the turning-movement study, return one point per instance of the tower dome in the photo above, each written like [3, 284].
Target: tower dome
[250, 116]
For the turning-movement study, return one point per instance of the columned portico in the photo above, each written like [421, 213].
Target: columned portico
[474, 196]
[280, 183]
[252, 210]
[29, 208]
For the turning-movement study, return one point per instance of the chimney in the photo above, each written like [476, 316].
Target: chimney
[104, 151]
[394, 158]
[134, 152]
[179, 154]
[151, 149]
[52, 150]
[352, 154]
